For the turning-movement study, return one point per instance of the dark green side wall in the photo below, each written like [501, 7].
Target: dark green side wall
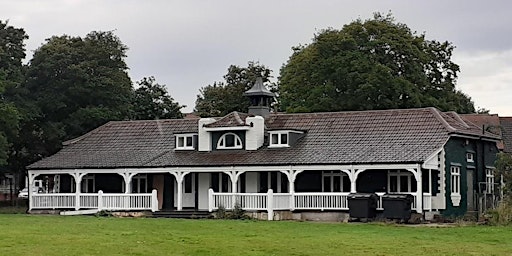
[455, 154]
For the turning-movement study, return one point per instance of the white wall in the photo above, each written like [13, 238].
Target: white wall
[204, 185]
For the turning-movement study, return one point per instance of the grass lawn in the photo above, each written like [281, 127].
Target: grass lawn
[81, 235]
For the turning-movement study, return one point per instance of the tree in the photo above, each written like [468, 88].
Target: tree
[12, 52]
[372, 64]
[74, 85]
[504, 168]
[152, 101]
[221, 98]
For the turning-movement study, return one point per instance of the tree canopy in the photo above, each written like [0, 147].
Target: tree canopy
[373, 64]
[152, 101]
[12, 52]
[74, 85]
[221, 98]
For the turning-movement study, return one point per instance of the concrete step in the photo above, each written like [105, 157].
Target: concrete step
[187, 214]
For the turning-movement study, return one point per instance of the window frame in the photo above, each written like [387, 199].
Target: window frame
[279, 134]
[397, 175]
[238, 143]
[470, 157]
[331, 177]
[489, 181]
[455, 180]
[184, 137]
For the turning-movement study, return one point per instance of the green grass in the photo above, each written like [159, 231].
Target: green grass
[80, 235]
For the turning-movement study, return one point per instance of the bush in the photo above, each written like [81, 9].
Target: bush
[236, 214]
[502, 215]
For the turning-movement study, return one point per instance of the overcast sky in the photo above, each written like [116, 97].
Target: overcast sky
[189, 44]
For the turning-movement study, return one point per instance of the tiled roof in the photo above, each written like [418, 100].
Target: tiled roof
[487, 122]
[506, 129]
[359, 137]
[232, 119]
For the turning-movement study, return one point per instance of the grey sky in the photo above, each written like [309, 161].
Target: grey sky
[189, 44]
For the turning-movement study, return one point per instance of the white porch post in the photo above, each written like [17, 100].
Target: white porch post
[179, 175]
[234, 175]
[270, 204]
[31, 178]
[127, 177]
[419, 188]
[78, 181]
[292, 176]
[353, 179]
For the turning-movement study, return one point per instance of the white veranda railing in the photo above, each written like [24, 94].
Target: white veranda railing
[294, 201]
[100, 201]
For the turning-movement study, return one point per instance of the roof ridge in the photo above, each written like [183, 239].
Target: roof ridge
[441, 119]
[351, 111]
[459, 119]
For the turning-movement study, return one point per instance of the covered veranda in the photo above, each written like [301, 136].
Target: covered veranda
[291, 199]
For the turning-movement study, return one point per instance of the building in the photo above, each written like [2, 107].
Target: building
[273, 161]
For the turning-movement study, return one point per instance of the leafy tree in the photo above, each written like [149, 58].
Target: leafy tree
[372, 64]
[221, 98]
[152, 101]
[73, 85]
[504, 167]
[12, 52]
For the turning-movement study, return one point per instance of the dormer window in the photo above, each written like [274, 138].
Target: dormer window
[279, 139]
[185, 141]
[284, 138]
[229, 141]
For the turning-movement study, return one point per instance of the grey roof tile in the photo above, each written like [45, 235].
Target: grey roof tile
[356, 137]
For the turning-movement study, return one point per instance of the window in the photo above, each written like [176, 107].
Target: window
[220, 182]
[489, 181]
[88, 184]
[470, 157]
[229, 141]
[401, 181]
[185, 141]
[279, 139]
[455, 180]
[335, 181]
[139, 183]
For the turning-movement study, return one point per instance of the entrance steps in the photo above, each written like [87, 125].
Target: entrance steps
[80, 212]
[185, 214]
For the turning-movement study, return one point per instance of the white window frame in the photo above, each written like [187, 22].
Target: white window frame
[398, 176]
[489, 180]
[455, 185]
[84, 184]
[221, 144]
[280, 143]
[455, 180]
[332, 176]
[137, 180]
[470, 157]
[182, 141]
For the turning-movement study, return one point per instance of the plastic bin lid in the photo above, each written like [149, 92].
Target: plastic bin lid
[397, 196]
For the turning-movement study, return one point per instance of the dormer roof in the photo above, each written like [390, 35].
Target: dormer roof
[233, 119]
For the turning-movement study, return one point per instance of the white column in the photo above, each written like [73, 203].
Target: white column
[100, 200]
[430, 188]
[78, 181]
[210, 200]
[154, 200]
[270, 205]
[292, 176]
[179, 175]
[233, 176]
[353, 179]
[419, 187]
[127, 177]
[31, 178]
